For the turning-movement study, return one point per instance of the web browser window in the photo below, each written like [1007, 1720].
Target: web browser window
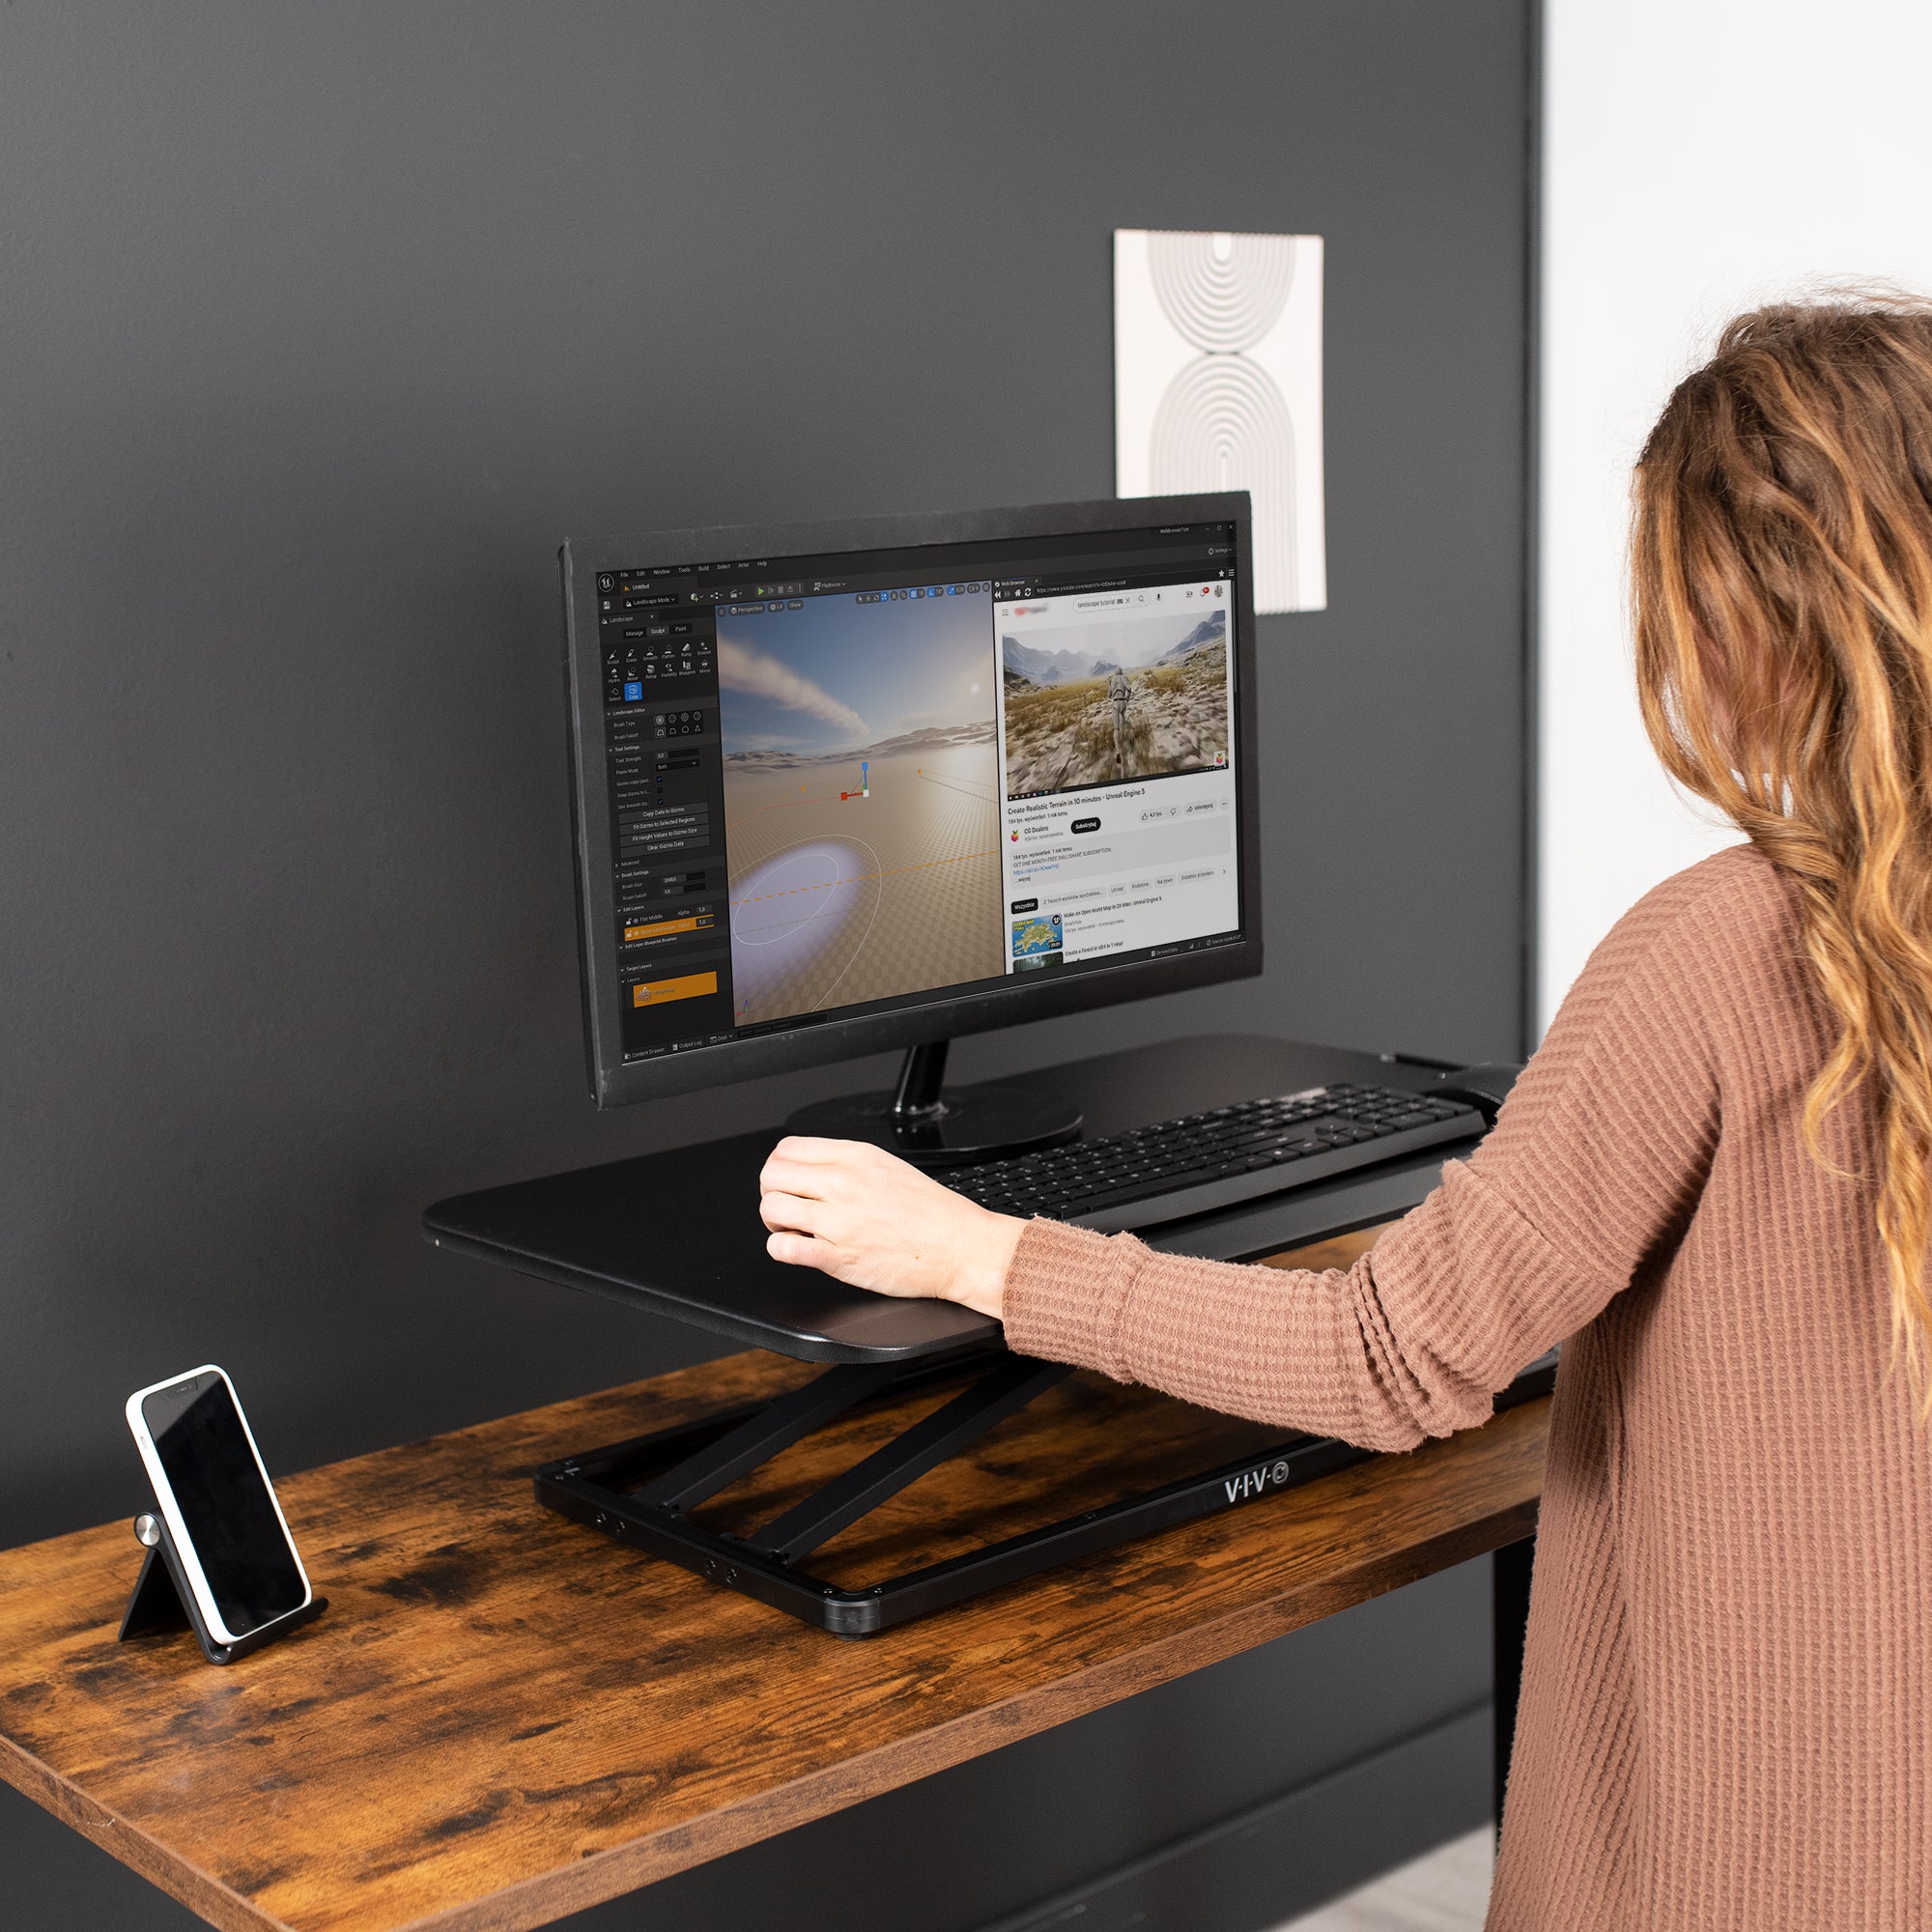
[1116, 716]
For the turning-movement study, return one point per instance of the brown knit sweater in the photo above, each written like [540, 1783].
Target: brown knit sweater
[1726, 1716]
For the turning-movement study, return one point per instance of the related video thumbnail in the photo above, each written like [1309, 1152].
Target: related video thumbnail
[1036, 942]
[1128, 699]
[861, 799]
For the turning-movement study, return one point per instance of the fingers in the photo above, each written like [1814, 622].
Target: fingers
[813, 1180]
[839, 1156]
[800, 1250]
[802, 1190]
[792, 1167]
[838, 1222]
[802, 1214]
[815, 1151]
[822, 1169]
[787, 1177]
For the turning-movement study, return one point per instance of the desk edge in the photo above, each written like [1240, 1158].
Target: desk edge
[169, 1871]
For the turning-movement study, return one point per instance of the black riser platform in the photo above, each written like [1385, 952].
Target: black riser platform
[600, 1489]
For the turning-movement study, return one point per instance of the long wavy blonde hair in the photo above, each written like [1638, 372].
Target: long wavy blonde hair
[1782, 580]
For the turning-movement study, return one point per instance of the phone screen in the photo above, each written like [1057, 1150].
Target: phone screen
[224, 1502]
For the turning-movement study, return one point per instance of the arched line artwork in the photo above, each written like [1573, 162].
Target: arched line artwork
[1217, 380]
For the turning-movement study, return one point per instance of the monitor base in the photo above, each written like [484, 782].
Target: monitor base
[933, 1125]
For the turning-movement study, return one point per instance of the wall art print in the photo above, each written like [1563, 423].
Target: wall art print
[1217, 386]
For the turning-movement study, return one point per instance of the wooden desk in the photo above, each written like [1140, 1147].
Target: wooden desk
[503, 1718]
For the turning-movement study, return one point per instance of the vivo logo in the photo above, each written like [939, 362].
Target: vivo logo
[1252, 1482]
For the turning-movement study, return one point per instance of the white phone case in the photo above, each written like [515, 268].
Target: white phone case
[165, 1497]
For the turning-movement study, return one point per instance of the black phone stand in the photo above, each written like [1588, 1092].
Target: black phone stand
[164, 1602]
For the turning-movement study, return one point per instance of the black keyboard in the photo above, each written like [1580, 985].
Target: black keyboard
[1204, 1161]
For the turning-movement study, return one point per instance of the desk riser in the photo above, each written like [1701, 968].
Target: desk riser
[596, 1490]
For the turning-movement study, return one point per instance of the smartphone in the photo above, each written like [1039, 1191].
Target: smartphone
[221, 1511]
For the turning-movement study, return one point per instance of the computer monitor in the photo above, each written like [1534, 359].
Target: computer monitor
[842, 787]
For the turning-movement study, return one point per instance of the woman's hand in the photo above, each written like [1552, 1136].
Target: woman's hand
[868, 1217]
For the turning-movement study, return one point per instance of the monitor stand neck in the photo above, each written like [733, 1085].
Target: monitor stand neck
[936, 1125]
[919, 1099]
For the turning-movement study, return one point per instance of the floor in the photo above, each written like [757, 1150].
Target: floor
[1446, 1891]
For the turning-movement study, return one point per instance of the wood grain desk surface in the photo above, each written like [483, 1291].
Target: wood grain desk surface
[503, 1718]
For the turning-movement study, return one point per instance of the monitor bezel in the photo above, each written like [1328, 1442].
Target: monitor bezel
[947, 1015]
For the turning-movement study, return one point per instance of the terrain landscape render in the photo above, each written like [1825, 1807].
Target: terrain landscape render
[1067, 734]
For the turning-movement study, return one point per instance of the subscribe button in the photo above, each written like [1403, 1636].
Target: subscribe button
[661, 992]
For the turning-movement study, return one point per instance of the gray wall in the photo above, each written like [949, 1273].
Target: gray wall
[323, 326]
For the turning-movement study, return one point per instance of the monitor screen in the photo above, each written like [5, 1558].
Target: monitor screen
[847, 783]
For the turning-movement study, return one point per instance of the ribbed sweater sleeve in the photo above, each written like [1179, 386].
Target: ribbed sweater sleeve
[1585, 1184]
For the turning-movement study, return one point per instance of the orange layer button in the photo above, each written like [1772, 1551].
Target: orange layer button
[659, 927]
[689, 986]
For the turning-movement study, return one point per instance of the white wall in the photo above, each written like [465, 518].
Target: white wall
[1700, 156]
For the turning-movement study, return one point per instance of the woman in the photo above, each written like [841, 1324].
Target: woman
[1711, 1184]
